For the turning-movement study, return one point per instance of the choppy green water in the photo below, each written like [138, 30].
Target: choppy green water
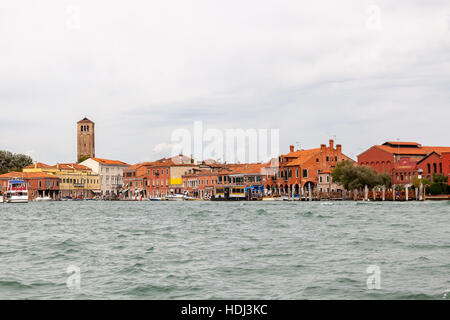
[225, 250]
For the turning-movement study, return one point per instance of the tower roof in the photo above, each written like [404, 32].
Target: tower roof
[85, 120]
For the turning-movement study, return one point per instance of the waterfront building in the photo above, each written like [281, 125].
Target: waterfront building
[85, 139]
[75, 180]
[404, 161]
[446, 165]
[165, 176]
[240, 181]
[200, 182]
[39, 184]
[325, 183]
[110, 173]
[134, 181]
[300, 170]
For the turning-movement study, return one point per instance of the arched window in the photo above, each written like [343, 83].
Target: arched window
[429, 168]
[434, 167]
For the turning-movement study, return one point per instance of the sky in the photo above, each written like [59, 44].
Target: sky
[360, 72]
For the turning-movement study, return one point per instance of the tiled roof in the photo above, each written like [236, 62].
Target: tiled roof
[248, 168]
[419, 151]
[38, 165]
[299, 153]
[135, 166]
[27, 175]
[439, 150]
[303, 156]
[112, 162]
[403, 151]
[71, 166]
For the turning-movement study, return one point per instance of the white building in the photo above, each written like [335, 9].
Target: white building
[111, 175]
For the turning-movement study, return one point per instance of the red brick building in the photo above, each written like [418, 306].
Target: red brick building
[165, 176]
[39, 184]
[446, 165]
[299, 170]
[134, 181]
[404, 160]
[200, 183]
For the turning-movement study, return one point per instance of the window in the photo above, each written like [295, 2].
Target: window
[434, 168]
[328, 158]
[296, 173]
[336, 159]
[317, 160]
[429, 168]
[167, 171]
[305, 173]
[320, 179]
[328, 178]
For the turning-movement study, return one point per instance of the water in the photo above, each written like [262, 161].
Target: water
[224, 250]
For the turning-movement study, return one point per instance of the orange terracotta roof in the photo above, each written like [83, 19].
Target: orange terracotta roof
[298, 153]
[112, 162]
[248, 168]
[303, 156]
[27, 175]
[71, 166]
[134, 166]
[439, 150]
[403, 151]
[39, 165]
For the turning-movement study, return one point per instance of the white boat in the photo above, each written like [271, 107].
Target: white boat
[174, 197]
[17, 192]
[187, 198]
[43, 199]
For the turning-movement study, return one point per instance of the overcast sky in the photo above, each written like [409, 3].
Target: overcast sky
[364, 72]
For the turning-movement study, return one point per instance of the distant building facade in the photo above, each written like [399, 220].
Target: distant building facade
[39, 184]
[404, 161]
[300, 170]
[85, 139]
[75, 180]
[110, 173]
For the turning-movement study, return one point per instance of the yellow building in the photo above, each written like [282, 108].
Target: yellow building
[76, 181]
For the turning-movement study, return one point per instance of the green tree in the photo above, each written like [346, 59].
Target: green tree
[13, 162]
[356, 177]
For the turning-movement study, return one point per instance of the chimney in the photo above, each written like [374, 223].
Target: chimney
[291, 148]
[339, 148]
[323, 147]
[331, 144]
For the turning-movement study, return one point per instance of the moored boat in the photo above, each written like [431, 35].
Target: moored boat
[175, 197]
[17, 192]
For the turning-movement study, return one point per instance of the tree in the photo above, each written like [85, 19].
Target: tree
[13, 162]
[356, 177]
[416, 182]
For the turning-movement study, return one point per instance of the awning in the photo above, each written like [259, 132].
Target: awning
[96, 191]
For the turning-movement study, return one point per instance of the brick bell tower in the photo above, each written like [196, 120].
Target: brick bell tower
[85, 139]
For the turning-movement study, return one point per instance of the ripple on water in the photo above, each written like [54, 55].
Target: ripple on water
[252, 250]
